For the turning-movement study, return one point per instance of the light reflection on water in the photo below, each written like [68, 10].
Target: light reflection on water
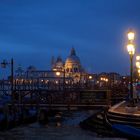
[69, 130]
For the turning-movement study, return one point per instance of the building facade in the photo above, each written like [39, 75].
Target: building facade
[68, 72]
[71, 67]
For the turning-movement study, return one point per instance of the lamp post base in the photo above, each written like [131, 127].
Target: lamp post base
[131, 109]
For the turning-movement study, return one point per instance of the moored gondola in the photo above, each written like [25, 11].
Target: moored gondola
[123, 129]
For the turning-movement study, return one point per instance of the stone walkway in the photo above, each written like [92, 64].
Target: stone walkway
[121, 108]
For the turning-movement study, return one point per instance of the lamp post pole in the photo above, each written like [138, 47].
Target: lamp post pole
[131, 51]
[131, 78]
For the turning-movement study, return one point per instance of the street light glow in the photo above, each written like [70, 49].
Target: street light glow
[138, 57]
[138, 64]
[139, 71]
[90, 77]
[106, 80]
[58, 73]
[131, 36]
[131, 49]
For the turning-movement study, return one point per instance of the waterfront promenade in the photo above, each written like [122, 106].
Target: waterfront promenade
[121, 108]
[69, 129]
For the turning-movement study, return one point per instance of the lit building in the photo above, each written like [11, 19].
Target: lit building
[69, 72]
[58, 65]
[72, 67]
[110, 79]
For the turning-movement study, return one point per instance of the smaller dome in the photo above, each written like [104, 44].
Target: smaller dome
[58, 64]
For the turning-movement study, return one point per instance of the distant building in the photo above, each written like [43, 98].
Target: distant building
[72, 67]
[109, 79]
[70, 71]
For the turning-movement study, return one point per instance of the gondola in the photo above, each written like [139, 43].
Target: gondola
[123, 130]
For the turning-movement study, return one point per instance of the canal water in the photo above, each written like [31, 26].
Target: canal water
[69, 130]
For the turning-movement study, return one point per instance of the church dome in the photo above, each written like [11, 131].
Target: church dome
[72, 64]
[73, 58]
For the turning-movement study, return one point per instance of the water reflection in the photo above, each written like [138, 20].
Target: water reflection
[69, 130]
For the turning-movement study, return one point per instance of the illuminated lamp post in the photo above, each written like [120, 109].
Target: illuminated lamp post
[58, 75]
[90, 79]
[106, 79]
[131, 51]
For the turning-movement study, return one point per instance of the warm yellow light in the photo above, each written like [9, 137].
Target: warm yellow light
[54, 69]
[138, 58]
[131, 36]
[90, 77]
[131, 48]
[137, 64]
[106, 80]
[139, 71]
[57, 73]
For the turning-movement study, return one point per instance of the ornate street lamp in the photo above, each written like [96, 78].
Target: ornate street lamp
[131, 51]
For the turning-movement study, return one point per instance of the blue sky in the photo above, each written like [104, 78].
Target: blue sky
[32, 31]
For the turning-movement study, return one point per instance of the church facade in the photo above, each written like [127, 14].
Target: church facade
[69, 72]
[72, 67]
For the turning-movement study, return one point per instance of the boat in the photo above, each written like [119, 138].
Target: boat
[127, 130]
[123, 129]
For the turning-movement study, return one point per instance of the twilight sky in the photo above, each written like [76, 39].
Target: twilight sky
[32, 31]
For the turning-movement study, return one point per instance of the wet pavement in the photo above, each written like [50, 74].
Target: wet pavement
[69, 130]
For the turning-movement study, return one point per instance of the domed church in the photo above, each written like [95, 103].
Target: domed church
[72, 66]
[71, 70]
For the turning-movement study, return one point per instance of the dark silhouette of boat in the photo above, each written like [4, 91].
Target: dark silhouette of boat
[127, 130]
[124, 130]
